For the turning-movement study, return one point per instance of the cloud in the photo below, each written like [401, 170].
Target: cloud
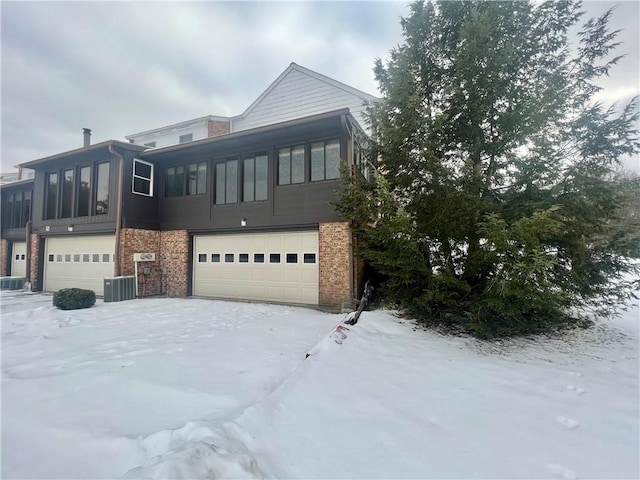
[125, 67]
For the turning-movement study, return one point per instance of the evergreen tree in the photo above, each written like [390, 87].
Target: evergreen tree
[495, 203]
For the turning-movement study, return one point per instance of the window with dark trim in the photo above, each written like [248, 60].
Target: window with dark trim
[16, 209]
[291, 165]
[243, 258]
[26, 208]
[309, 258]
[197, 178]
[215, 258]
[84, 192]
[255, 178]
[174, 182]
[187, 137]
[325, 160]
[102, 189]
[66, 207]
[226, 182]
[202, 258]
[51, 196]
[142, 183]
[258, 258]
[228, 257]
[274, 258]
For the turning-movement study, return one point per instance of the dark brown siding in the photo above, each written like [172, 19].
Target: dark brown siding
[139, 211]
[306, 203]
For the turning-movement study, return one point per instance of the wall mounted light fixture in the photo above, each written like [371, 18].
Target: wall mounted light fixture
[243, 222]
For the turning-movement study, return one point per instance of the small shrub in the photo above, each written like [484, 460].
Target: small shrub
[74, 298]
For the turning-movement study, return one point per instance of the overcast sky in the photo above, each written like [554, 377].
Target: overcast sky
[121, 68]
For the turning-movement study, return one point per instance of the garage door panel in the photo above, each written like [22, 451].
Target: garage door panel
[78, 261]
[295, 282]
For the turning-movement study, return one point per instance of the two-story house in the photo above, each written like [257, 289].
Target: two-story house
[236, 207]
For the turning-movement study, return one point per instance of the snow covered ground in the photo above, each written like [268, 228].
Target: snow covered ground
[191, 388]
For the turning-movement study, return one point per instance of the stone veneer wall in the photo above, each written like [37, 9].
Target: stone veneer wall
[217, 128]
[4, 257]
[336, 264]
[174, 256]
[141, 241]
[36, 241]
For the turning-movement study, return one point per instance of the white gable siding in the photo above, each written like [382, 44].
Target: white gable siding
[299, 95]
[165, 138]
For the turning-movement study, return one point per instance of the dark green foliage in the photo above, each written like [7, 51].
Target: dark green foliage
[74, 298]
[497, 203]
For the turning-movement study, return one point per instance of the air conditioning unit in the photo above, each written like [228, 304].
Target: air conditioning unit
[117, 289]
[144, 257]
[12, 283]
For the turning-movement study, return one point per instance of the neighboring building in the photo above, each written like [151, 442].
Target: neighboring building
[242, 210]
[16, 213]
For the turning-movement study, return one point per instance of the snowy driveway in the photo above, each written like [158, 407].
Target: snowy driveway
[80, 387]
[188, 388]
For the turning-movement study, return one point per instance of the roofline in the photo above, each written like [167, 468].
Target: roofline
[251, 131]
[318, 76]
[97, 146]
[215, 118]
[17, 183]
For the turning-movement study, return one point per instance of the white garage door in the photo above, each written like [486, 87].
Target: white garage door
[276, 267]
[78, 261]
[19, 260]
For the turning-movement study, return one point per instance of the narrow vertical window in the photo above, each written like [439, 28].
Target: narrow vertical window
[67, 194]
[17, 211]
[291, 165]
[226, 182]
[102, 189]
[325, 160]
[26, 208]
[174, 182]
[255, 178]
[51, 197]
[196, 178]
[8, 222]
[84, 192]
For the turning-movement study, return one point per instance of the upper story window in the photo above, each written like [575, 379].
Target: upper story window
[186, 180]
[16, 209]
[291, 165]
[325, 160]
[226, 182]
[83, 196]
[79, 192]
[66, 199]
[197, 178]
[187, 137]
[51, 196]
[142, 178]
[102, 189]
[255, 173]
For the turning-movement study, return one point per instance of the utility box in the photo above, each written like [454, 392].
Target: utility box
[12, 283]
[117, 289]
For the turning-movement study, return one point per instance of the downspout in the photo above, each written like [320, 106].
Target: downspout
[117, 267]
[27, 229]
